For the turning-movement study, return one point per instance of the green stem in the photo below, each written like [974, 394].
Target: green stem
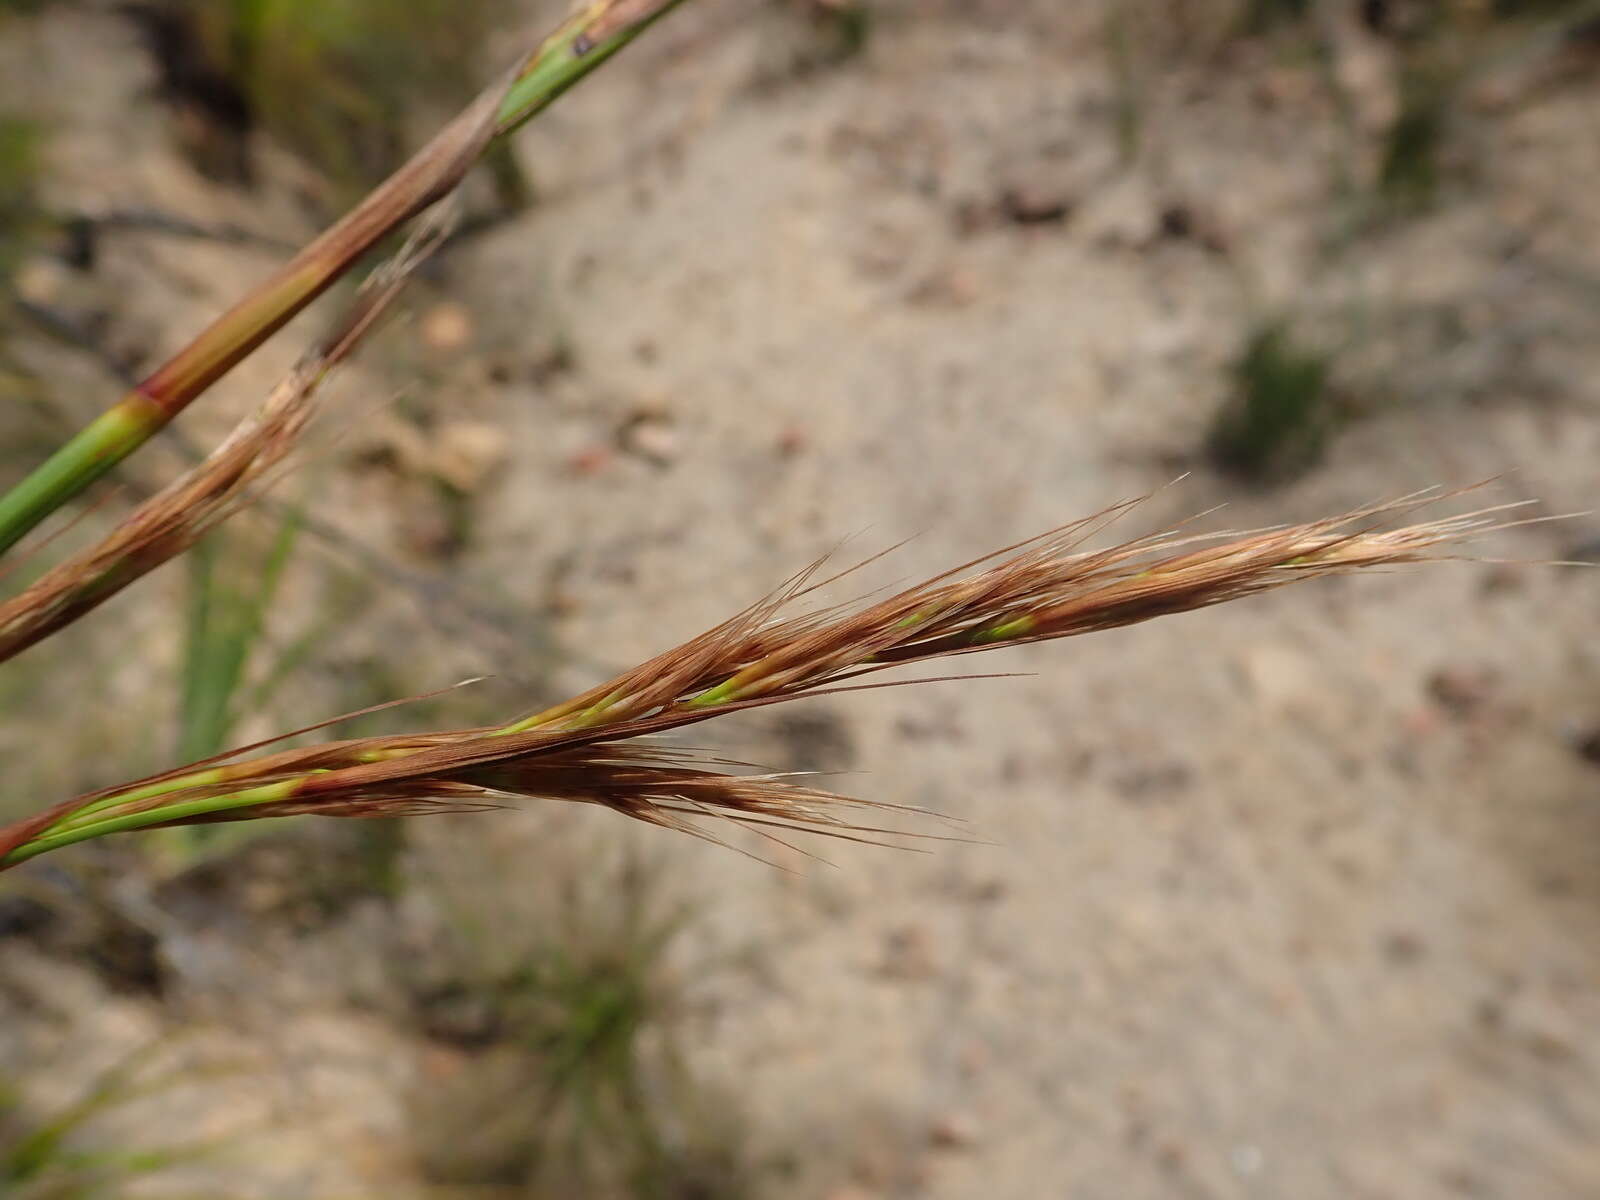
[568, 55]
[88, 456]
[86, 814]
[269, 793]
[575, 49]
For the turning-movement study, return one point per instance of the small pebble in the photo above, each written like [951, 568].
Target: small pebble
[1462, 691]
[466, 453]
[447, 327]
[953, 1131]
[650, 436]
[792, 441]
[590, 460]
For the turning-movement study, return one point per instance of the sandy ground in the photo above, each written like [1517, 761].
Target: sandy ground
[1291, 898]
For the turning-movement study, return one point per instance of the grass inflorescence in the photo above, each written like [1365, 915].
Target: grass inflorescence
[587, 750]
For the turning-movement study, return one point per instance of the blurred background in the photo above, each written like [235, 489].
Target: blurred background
[1295, 897]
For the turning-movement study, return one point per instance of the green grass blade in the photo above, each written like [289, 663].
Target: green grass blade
[226, 624]
[197, 656]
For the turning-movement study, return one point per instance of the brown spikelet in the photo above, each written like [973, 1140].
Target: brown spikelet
[1038, 590]
[672, 788]
[178, 516]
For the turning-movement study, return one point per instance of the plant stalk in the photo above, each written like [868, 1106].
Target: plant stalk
[588, 38]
